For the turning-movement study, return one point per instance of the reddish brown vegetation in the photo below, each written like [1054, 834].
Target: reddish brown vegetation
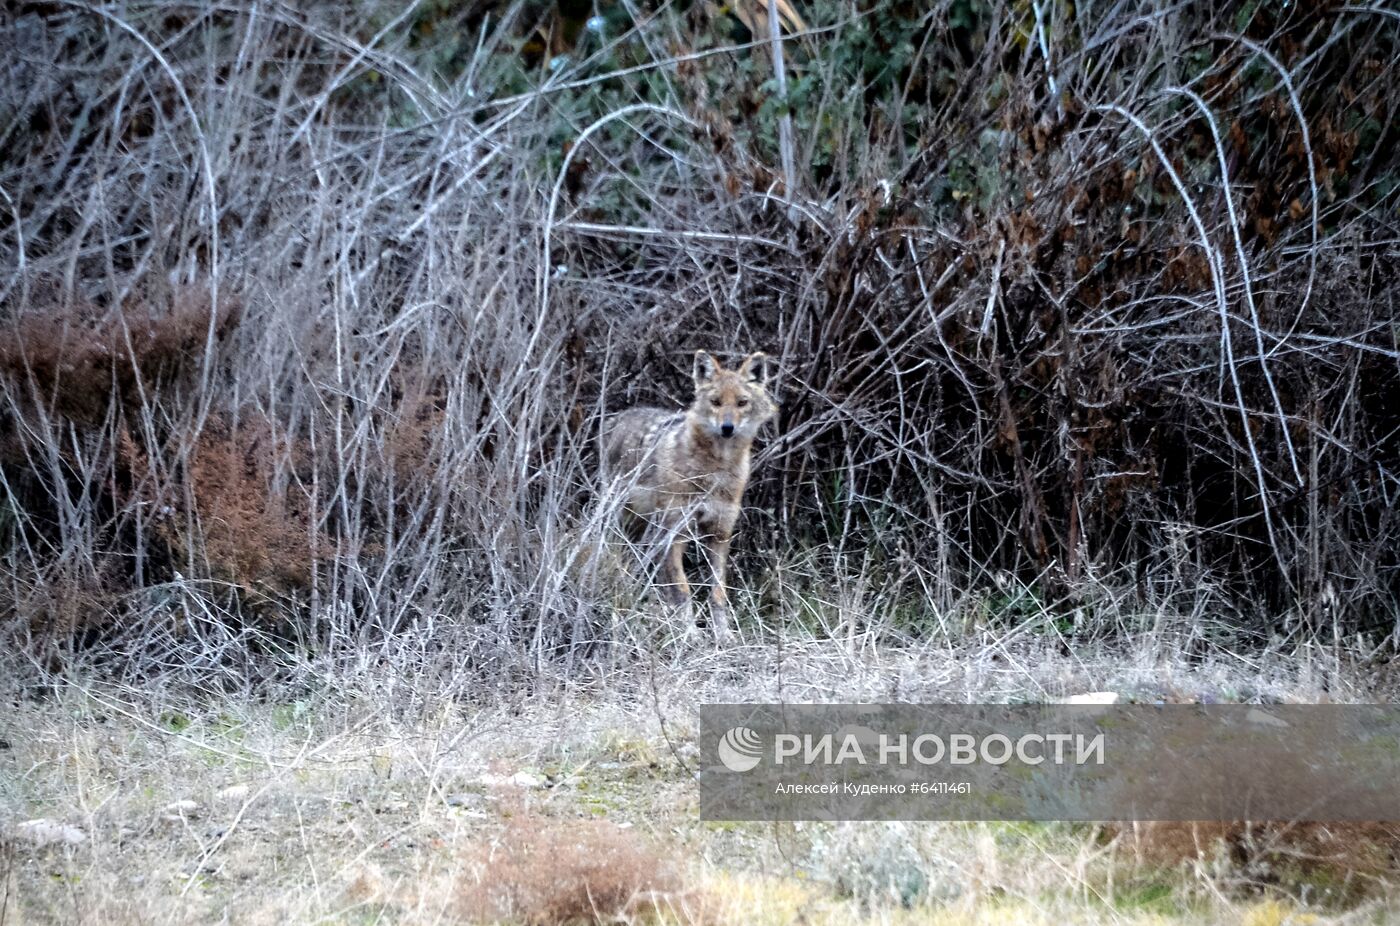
[544, 871]
[1350, 858]
[104, 410]
[238, 509]
[77, 361]
[78, 432]
[217, 502]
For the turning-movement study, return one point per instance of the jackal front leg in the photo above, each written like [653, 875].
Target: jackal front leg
[673, 584]
[717, 553]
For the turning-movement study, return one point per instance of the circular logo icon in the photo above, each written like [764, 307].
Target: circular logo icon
[740, 749]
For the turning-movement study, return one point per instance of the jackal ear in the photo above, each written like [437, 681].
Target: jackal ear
[756, 367]
[706, 366]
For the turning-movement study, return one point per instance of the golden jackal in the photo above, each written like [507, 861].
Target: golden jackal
[684, 472]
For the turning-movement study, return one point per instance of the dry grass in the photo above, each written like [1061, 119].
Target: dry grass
[320, 805]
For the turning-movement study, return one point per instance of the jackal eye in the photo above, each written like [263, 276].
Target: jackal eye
[716, 403]
[743, 403]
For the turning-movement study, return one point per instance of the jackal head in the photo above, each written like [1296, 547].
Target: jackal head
[732, 403]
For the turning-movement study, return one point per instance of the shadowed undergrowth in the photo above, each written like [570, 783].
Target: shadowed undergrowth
[1084, 322]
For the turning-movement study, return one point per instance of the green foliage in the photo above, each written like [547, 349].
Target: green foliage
[175, 722]
[291, 715]
[856, 76]
[1147, 897]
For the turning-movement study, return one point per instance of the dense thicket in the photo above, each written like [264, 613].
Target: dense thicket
[309, 314]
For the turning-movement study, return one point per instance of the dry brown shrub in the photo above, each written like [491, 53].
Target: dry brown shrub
[79, 383]
[240, 516]
[65, 602]
[1352, 856]
[76, 359]
[411, 437]
[546, 871]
